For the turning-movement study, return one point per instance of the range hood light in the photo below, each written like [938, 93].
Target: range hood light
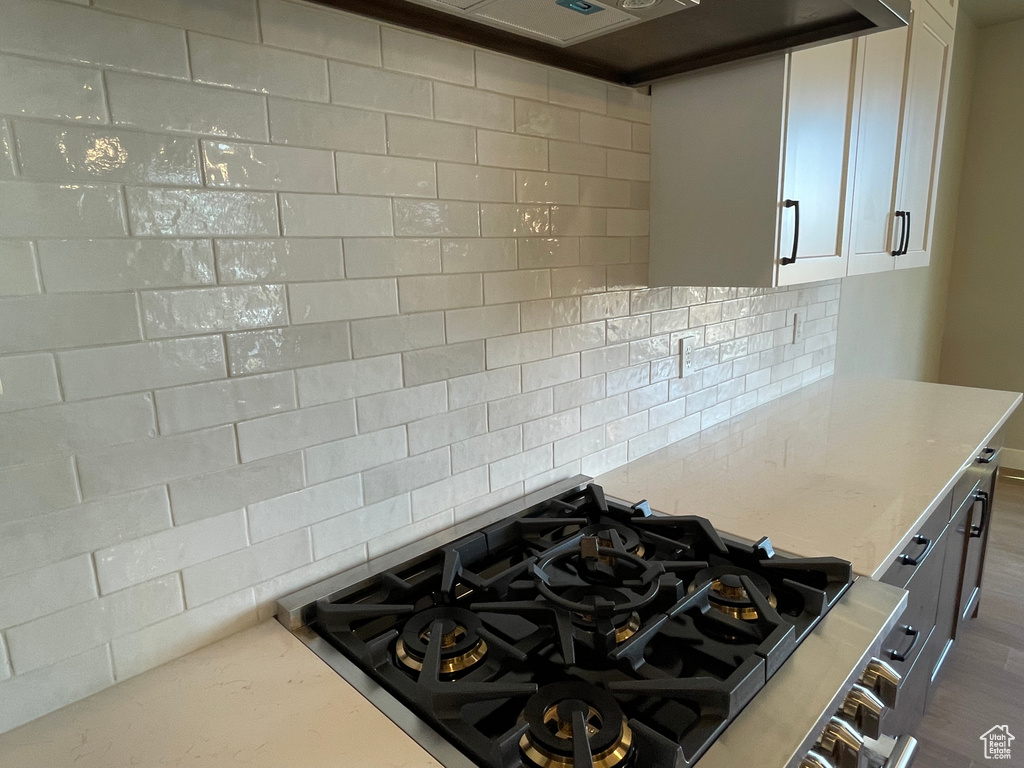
[633, 5]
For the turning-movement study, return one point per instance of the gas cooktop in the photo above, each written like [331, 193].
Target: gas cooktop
[582, 631]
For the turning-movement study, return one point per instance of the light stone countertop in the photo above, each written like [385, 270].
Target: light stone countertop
[843, 467]
[257, 699]
[848, 468]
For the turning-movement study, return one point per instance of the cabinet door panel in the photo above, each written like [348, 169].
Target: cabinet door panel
[814, 165]
[947, 9]
[882, 60]
[927, 76]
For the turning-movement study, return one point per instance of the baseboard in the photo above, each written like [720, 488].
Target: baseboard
[1012, 458]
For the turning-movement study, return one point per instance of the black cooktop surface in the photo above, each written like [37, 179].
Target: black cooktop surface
[583, 632]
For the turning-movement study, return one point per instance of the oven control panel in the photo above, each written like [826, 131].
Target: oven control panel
[852, 737]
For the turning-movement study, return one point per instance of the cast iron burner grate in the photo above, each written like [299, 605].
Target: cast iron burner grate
[584, 632]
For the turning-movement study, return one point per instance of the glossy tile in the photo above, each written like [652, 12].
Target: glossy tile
[227, 18]
[342, 300]
[258, 166]
[464, 391]
[355, 454]
[554, 188]
[305, 124]
[29, 381]
[70, 320]
[471, 182]
[18, 266]
[385, 335]
[414, 137]
[66, 210]
[305, 215]
[163, 105]
[542, 252]
[54, 586]
[379, 89]
[470, 106]
[423, 294]
[386, 176]
[432, 57]
[346, 380]
[67, 153]
[508, 150]
[7, 162]
[481, 322]
[104, 371]
[606, 131]
[202, 310]
[31, 490]
[442, 363]
[262, 261]
[320, 31]
[578, 158]
[44, 89]
[377, 257]
[401, 406]
[515, 77]
[285, 432]
[183, 409]
[216, 61]
[277, 349]
[404, 475]
[478, 255]
[521, 285]
[77, 35]
[572, 90]
[550, 313]
[122, 264]
[518, 348]
[436, 219]
[539, 119]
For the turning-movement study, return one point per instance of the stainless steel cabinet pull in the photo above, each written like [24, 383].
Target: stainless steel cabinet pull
[918, 539]
[795, 204]
[979, 529]
[913, 634]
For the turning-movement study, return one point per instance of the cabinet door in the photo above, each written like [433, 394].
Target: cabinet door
[947, 9]
[931, 46]
[816, 148]
[881, 66]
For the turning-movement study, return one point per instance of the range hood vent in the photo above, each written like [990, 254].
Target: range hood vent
[635, 42]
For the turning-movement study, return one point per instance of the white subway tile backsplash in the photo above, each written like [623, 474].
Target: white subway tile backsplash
[515, 77]
[358, 227]
[53, 588]
[319, 31]
[306, 124]
[103, 371]
[470, 106]
[216, 61]
[29, 381]
[164, 105]
[45, 641]
[136, 465]
[52, 210]
[401, 406]
[183, 409]
[65, 33]
[283, 348]
[512, 151]
[201, 496]
[303, 508]
[539, 119]
[347, 380]
[283, 432]
[122, 264]
[18, 266]
[305, 215]
[44, 89]
[378, 89]
[237, 570]
[227, 18]
[68, 320]
[35, 489]
[436, 218]
[414, 137]
[343, 300]
[391, 176]
[258, 166]
[188, 212]
[427, 56]
[384, 335]
[36, 693]
[71, 153]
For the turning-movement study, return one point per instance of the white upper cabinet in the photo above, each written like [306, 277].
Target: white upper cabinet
[947, 10]
[931, 47]
[739, 154]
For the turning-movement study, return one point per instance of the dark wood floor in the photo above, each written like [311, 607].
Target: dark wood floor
[983, 683]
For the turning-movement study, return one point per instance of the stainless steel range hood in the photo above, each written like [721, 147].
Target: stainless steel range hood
[634, 42]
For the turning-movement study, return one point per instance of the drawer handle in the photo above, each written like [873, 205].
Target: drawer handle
[977, 530]
[988, 455]
[906, 559]
[913, 634]
[901, 215]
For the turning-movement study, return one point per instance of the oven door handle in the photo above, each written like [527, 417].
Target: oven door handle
[903, 754]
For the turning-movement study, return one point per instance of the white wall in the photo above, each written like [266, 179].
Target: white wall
[891, 324]
[984, 336]
[273, 308]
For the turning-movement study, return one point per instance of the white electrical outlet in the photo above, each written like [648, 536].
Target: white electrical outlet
[798, 326]
[687, 344]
